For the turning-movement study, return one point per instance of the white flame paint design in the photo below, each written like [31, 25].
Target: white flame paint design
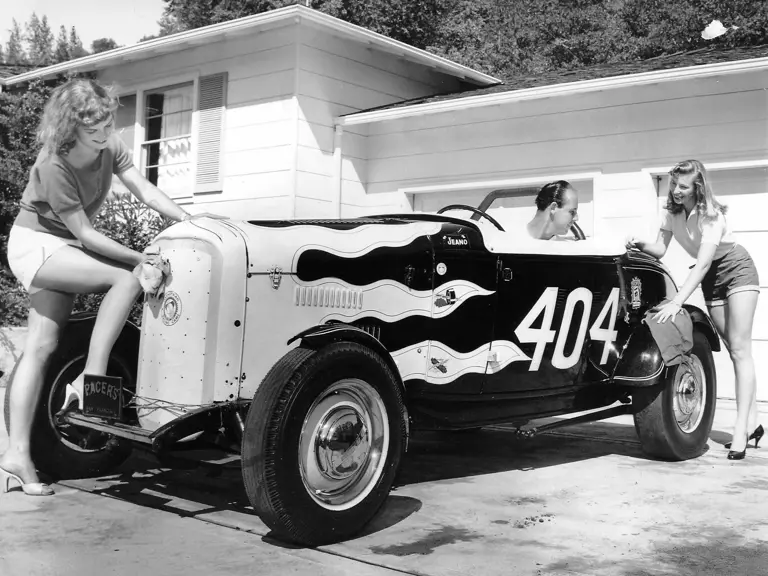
[440, 364]
[390, 301]
[361, 240]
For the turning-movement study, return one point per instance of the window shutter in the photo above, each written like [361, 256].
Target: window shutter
[211, 105]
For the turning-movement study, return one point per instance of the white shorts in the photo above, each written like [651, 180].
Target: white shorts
[29, 249]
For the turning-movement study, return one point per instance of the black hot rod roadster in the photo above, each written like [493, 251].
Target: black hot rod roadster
[316, 347]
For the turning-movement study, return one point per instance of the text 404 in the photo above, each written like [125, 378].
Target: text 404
[546, 334]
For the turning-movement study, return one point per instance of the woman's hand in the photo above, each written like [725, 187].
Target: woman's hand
[667, 311]
[632, 242]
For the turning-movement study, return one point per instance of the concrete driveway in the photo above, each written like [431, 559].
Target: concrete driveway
[582, 500]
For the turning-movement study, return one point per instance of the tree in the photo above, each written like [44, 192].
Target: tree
[510, 37]
[14, 50]
[2, 59]
[103, 44]
[76, 49]
[19, 116]
[39, 41]
[413, 22]
[61, 51]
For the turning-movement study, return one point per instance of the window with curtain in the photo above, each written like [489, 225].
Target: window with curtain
[166, 150]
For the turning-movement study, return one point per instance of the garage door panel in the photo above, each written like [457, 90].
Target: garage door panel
[724, 370]
[746, 212]
[742, 181]
[512, 213]
[760, 326]
[755, 243]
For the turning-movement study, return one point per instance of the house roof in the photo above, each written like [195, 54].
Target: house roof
[8, 70]
[249, 25]
[678, 66]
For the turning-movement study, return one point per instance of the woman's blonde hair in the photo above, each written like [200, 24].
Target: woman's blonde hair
[706, 203]
[78, 102]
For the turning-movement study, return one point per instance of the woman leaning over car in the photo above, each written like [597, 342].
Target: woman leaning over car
[728, 278]
[55, 252]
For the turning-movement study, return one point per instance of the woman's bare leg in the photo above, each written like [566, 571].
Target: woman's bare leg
[94, 274]
[737, 318]
[48, 312]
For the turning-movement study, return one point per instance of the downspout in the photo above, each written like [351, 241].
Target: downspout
[338, 132]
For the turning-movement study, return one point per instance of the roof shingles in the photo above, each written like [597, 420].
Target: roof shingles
[698, 57]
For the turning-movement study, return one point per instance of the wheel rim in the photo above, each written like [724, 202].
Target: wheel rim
[690, 394]
[75, 437]
[344, 444]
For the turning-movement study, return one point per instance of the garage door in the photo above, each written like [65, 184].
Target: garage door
[513, 213]
[745, 192]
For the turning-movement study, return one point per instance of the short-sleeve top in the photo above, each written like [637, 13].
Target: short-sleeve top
[55, 188]
[696, 229]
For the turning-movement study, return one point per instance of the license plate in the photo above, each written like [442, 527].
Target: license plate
[103, 396]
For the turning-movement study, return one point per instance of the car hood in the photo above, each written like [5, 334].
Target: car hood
[279, 244]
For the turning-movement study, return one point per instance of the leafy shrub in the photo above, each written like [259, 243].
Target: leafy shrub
[131, 223]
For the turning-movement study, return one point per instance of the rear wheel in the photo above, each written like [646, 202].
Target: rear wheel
[674, 419]
[322, 443]
[66, 451]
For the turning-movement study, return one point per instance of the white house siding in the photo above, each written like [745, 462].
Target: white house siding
[259, 141]
[615, 133]
[337, 76]
[285, 87]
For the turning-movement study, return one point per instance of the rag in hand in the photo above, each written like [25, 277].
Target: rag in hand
[153, 273]
[674, 337]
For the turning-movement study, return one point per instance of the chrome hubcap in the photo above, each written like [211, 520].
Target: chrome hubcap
[690, 394]
[343, 445]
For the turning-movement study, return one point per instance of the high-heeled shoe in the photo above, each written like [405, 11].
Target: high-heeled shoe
[30, 488]
[733, 455]
[756, 436]
[70, 396]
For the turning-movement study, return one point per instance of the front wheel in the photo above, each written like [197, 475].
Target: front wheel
[674, 419]
[322, 443]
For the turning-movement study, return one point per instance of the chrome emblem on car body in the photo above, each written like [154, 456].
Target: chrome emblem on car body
[171, 311]
[636, 291]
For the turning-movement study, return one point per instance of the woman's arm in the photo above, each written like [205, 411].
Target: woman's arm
[95, 241]
[695, 276]
[151, 195]
[656, 249]
[155, 198]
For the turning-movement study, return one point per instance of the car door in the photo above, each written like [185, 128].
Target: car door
[463, 311]
[557, 322]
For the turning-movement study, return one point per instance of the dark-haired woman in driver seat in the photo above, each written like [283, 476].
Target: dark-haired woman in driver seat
[557, 208]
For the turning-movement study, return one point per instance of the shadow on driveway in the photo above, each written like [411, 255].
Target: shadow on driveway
[191, 485]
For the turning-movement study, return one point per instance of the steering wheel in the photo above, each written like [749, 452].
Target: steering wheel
[490, 219]
[578, 232]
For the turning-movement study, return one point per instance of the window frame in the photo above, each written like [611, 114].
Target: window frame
[140, 90]
[145, 143]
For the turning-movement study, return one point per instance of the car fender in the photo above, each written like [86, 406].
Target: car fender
[640, 363]
[702, 322]
[318, 336]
